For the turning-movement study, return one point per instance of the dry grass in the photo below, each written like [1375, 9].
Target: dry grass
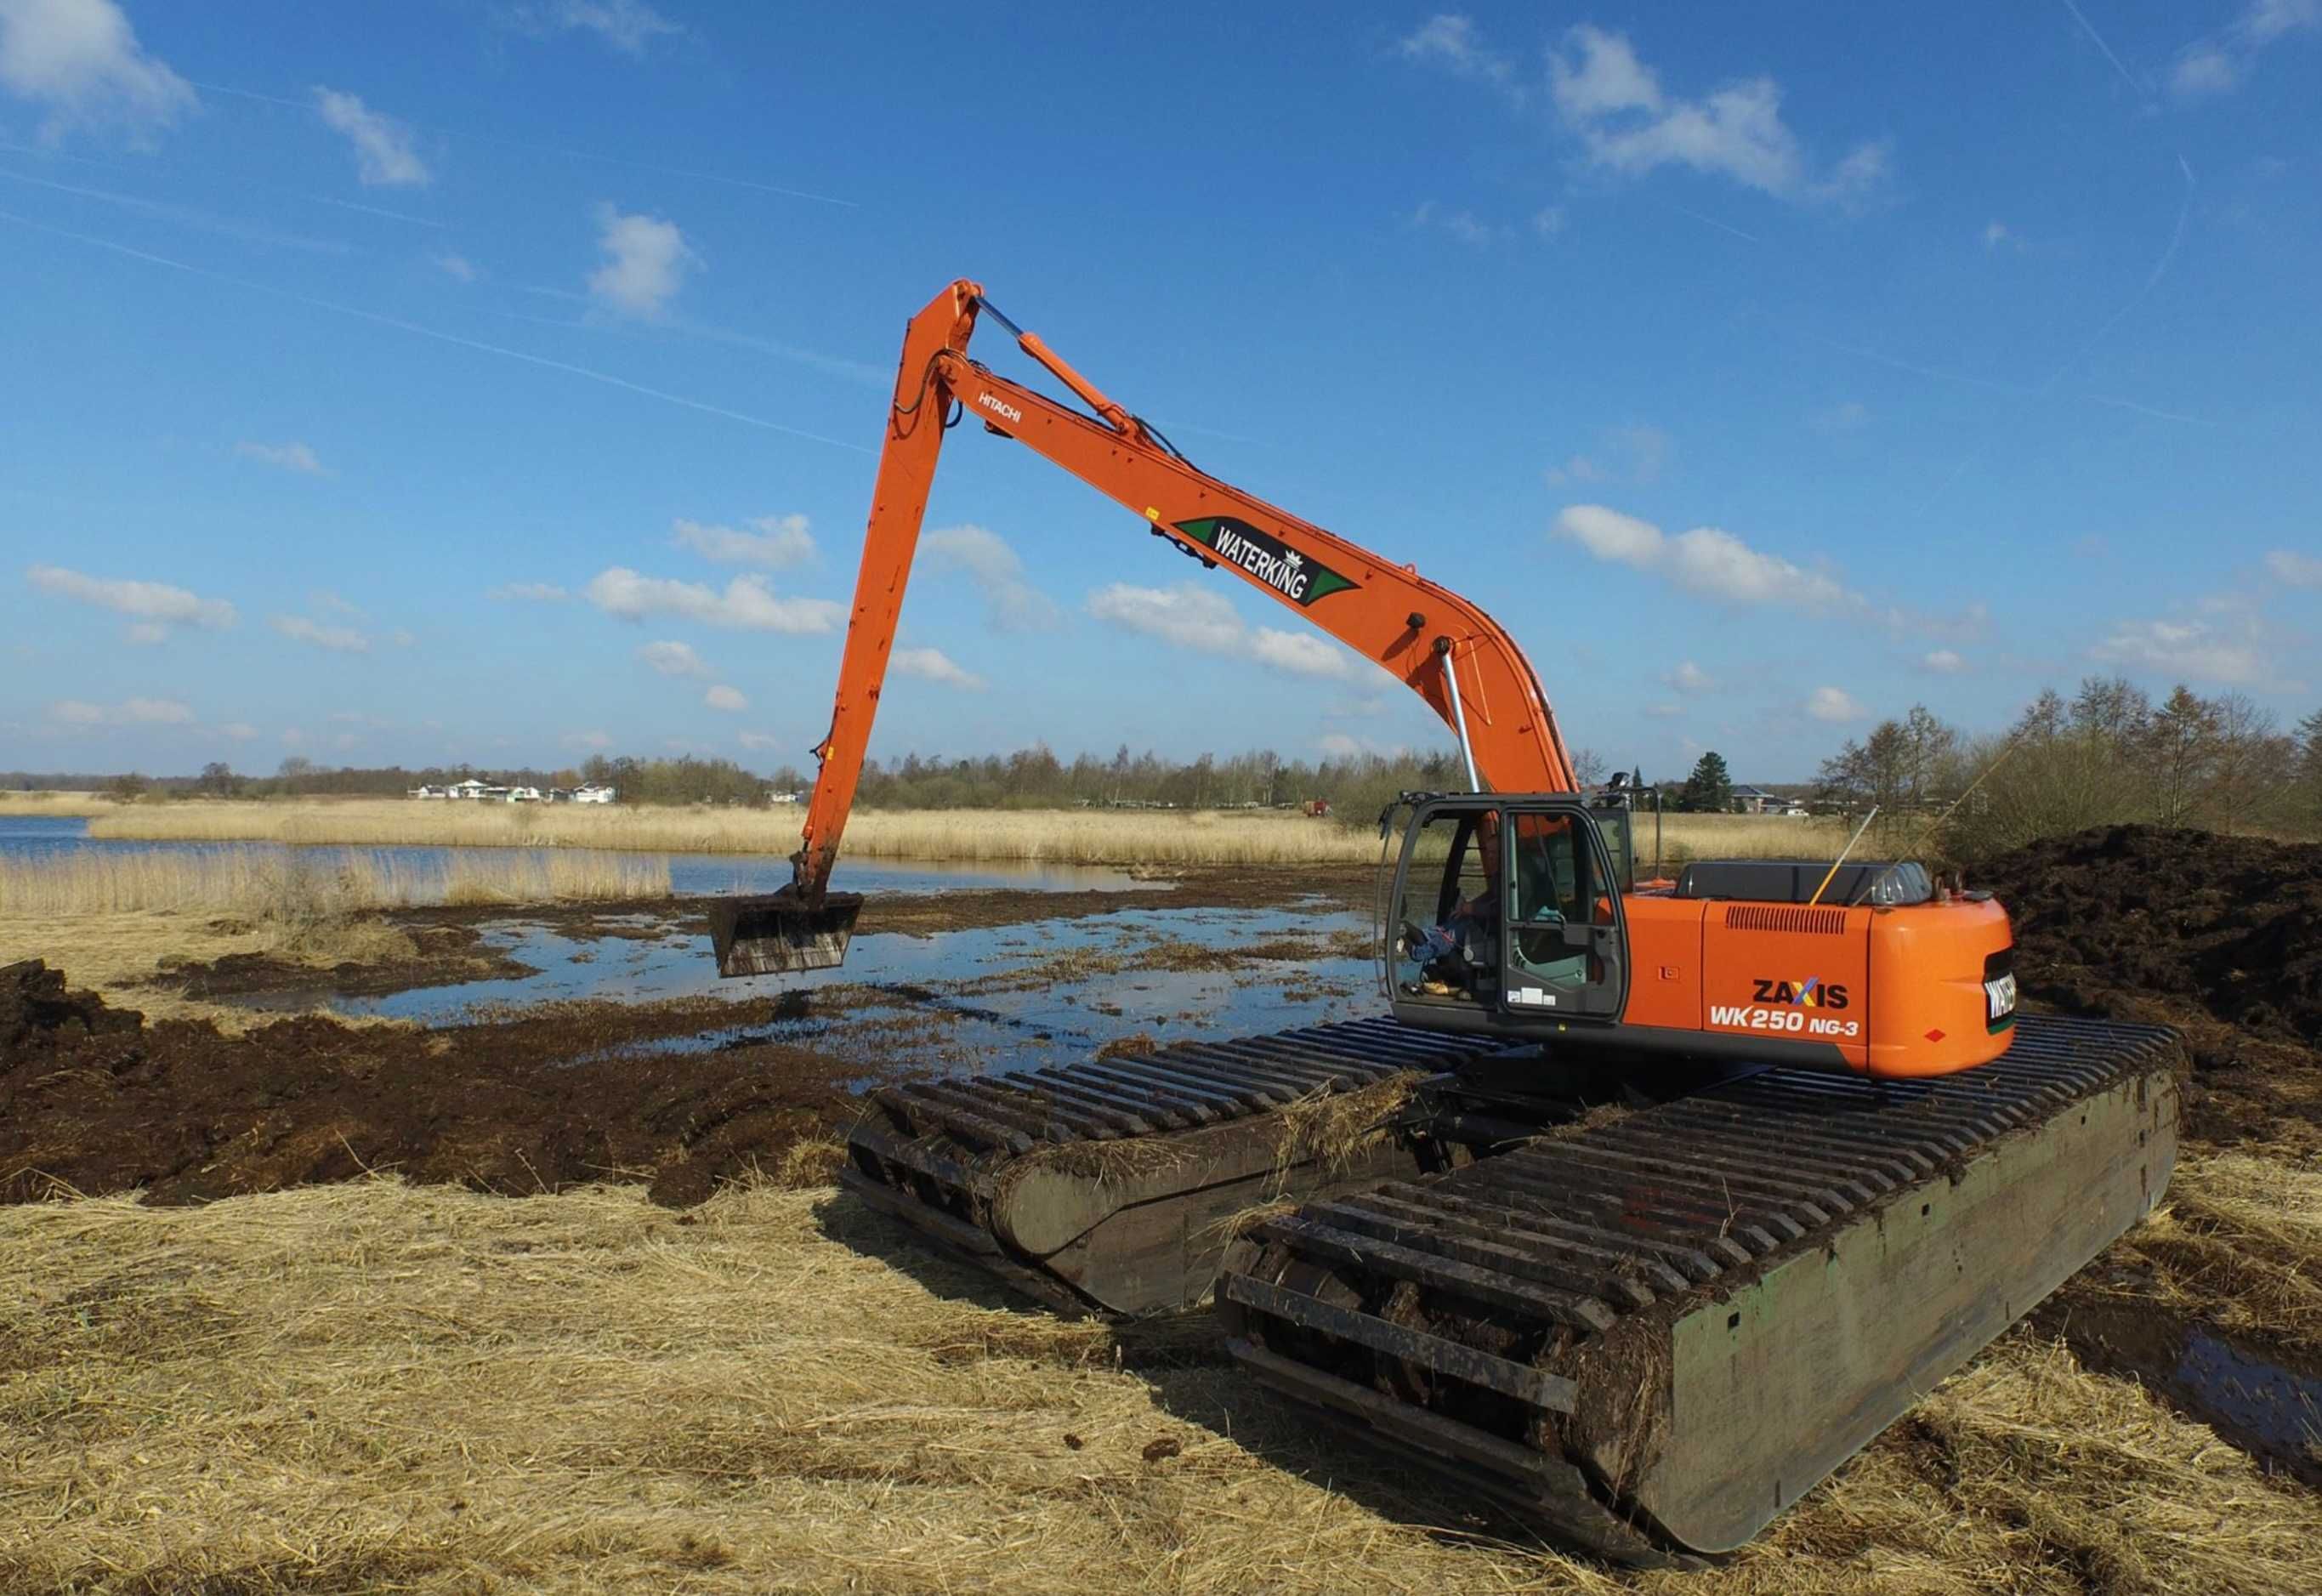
[66, 804]
[247, 881]
[1330, 1128]
[115, 955]
[2240, 1243]
[1067, 836]
[370, 1387]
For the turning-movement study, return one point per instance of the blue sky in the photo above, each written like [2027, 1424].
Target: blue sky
[502, 381]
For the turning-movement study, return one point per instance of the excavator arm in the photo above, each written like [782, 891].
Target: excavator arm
[1437, 644]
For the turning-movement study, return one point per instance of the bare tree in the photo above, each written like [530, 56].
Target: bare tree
[2252, 768]
[2180, 750]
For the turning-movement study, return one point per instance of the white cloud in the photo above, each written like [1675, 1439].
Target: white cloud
[1607, 79]
[1452, 42]
[627, 25]
[1187, 615]
[1847, 415]
[1943, 661]
[458, 266]
[780, 541]
[2219, 63]
[80, 61]
[1707, 560]
[401, 637]
[1834, 704]
[645, 262]
[1302, 653]
[537, 592]
[345, 639]
[1010, 604]
[134, 711]
[758, 741]
[155, 603]
[722, 697]
[1548, 221]
[933, 664]
[1996, 232]
[1462, 225]
[384, 157]
[673, 659]
[147, 632]
[1193, 617]
[1628, 125]
[1635, 452]
[746, 604]
[240, 731]
[1690, 677]
[596, 740]
[2229, 645]
[1664, 711]
[293, 456]
[2296, 570]
[333, 603]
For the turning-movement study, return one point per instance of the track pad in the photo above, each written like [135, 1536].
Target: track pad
[775, 934]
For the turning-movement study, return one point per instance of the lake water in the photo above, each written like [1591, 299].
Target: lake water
[36, 836]
[1009, 993]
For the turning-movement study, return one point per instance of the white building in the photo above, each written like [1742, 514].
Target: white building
[591, 793]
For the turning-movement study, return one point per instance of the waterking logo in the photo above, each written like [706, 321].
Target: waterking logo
[1295, 576]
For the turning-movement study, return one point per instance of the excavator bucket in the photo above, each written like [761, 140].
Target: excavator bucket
[776, 933]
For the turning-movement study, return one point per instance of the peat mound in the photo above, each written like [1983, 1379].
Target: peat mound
[2231, 924]
[37, 1014]
[93, 1101]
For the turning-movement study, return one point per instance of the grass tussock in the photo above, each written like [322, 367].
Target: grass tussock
[372, 1385]
[1072, 835]
[308, 883]
[2238, 1243]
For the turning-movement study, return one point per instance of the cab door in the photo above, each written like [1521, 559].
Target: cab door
[1565, 950]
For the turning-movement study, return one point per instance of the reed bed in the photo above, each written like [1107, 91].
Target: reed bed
[371, 1386]
[1066, 836]
[313, 883]
[66, 806]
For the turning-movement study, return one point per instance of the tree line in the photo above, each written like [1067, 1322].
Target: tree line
[2106, 755]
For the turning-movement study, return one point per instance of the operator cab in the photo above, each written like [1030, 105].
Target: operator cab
[1507, 913]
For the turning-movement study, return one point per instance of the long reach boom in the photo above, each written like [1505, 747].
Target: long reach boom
[1437, 644]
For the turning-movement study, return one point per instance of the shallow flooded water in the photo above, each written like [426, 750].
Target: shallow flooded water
[1013, 997]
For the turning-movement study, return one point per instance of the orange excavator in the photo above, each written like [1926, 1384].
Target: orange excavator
[1643, 1204]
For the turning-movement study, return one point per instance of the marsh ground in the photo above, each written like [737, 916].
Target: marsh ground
[558, 1298]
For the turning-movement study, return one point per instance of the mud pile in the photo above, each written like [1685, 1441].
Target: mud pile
[2233, 924]
[2220, 936]
[92, 1100]
[37, 1014]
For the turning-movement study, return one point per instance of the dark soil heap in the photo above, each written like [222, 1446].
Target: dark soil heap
[92, 1100]
[37, 1014]
[2220, 936]
[2231, 923]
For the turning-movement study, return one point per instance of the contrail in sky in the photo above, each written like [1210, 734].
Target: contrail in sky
[417, 330]
[2098, 38]
[651, 166]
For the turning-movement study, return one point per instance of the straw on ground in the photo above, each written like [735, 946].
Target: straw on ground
[371, 1386]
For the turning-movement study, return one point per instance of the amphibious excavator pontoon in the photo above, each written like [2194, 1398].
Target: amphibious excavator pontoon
[1643, 1204]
